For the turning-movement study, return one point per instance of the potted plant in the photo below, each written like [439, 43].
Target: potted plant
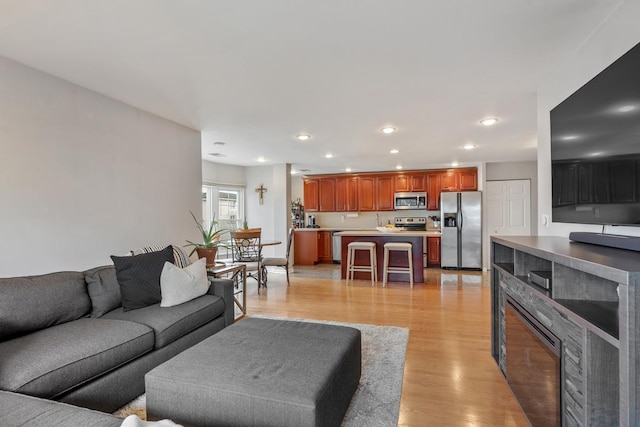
[211, 241]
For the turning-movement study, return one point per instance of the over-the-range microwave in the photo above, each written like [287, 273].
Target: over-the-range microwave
[410, 200]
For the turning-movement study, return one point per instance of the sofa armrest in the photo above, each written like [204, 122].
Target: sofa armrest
[224, 289]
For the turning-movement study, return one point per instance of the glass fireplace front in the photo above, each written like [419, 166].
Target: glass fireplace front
[533, 366]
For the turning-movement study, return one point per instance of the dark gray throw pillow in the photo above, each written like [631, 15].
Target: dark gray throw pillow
[104, 290]
[139, 277]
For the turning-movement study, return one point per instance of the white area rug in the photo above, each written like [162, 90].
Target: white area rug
[376, 402]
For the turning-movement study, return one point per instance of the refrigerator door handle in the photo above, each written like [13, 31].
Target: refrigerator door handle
[459, 219]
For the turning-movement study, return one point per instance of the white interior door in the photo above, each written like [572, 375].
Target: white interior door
[509, 207]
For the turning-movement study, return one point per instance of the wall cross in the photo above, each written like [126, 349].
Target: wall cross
[261, 190]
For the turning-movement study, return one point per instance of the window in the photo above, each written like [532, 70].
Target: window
[225, 204]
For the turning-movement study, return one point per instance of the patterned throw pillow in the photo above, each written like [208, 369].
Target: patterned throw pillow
[181, 259]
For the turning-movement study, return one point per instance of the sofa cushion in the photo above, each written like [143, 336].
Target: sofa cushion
[139, 277]
[103, 288]
[179, 285]
[36, 302]
[171, 323]
[20, 410]
[49, 362]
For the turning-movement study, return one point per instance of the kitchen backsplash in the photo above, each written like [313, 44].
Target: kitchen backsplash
[368, 219]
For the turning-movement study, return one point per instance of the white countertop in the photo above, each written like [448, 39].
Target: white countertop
[373, 232]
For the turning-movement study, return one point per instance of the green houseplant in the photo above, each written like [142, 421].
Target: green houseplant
[211, 241]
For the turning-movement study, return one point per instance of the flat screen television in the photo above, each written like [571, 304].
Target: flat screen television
[595, 148]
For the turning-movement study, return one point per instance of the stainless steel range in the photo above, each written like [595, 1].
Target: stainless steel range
[414, 223]
[411, 223]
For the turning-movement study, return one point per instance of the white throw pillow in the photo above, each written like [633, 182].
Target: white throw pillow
[179, 285]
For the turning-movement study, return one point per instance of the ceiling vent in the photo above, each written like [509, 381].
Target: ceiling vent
[217, 154]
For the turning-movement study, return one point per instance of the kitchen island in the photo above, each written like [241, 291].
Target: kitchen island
[416, 238]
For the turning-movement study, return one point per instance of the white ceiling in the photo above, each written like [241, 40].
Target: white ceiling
[255, 73]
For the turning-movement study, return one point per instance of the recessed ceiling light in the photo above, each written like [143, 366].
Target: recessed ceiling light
[388, 129]
[347, 169]
[303, 137]
[293, 172]
[489, 121]
[328, 155]
[394, 151]
[399, 167]
[261, 159]
[454, 164]
[469, 146]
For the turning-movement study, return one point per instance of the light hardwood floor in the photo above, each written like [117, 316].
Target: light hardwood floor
[450, 378]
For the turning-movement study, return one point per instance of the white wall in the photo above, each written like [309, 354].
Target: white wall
[83, 176]
[273, 216]
[218, 173]
[619, 33]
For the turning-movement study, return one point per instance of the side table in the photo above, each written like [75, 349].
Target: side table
[238, 274]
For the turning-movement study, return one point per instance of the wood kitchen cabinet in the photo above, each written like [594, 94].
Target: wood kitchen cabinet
[375, 192]
[311, 191]
[410, 182]
[325, 254]
[384, 193]
[450, 180]
[433, 191]
[311, 247]
[327, 195]
[468, 179]
[433, 251]
[346, 194]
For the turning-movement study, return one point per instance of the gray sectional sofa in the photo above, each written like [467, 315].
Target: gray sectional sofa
[65, 337]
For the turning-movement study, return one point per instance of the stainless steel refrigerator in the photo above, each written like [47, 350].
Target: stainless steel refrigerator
[461, 225]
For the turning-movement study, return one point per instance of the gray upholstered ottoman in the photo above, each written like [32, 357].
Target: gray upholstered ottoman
[260, 372]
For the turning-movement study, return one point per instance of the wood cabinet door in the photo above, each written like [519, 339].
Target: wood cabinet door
[418, 182]
[433, 251]
[468, 179]
[305, 247]
[324, 246]
[402, 183]
[384, 187]
[352, 194]
[327, 195]
[450, 181]
[366, 193]
[346, 194]
[311, 191]
[433, 191]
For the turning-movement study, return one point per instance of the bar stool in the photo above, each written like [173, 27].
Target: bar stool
[372, 268]
[397, 246]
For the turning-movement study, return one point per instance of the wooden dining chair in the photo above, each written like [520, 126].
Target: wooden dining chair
[246, 249]
[281, 262]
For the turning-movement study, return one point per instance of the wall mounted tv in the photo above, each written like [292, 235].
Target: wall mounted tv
[595, 148]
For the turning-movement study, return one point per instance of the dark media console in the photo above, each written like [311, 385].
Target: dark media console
[631, 243]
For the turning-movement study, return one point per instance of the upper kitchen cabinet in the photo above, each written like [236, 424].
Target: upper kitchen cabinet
[327, 195]
[346, 194]
[468, 179]
[311, 190]
[411, 182]
[433, 191]
[384, 187]
[450, 181]
[375, 193]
